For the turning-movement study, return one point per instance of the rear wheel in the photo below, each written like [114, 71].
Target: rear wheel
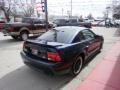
[77, 66]
[24, 35]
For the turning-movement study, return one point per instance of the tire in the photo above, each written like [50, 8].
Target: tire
[15, 37]
[24, 35]
[77, 66]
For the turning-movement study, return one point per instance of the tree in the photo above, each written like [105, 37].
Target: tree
[90, 17]
[13, 8]
[116, 12]
[27, 9]
[116, 9]
[6, 9]
[81, 18]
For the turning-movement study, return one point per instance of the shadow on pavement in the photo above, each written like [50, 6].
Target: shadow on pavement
[28, 79]
[9, 42]
[117, 33]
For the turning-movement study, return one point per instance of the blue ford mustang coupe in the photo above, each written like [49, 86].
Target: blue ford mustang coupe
[62, 49]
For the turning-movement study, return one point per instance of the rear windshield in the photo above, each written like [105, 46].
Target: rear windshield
[61, 36]
[60, 21]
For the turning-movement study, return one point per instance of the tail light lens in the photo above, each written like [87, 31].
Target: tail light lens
[49, 55]
[10, 29]
[53, 56]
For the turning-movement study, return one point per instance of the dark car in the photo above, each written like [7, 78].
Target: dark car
[22, 30]
[71, 22]
[62, 49]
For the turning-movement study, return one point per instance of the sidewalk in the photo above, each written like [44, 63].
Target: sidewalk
[106, 75]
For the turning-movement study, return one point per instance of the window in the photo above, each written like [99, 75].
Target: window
[27, 20]
[62, 35]
[79, 37]
[37, 21]
[73, 20]
[88, 34]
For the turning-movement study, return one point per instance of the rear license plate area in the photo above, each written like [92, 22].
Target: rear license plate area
[34, 51]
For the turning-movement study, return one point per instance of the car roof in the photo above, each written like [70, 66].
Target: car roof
[63, 34]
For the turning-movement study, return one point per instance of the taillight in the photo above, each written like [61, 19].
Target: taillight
[53, 56]
[10, 29]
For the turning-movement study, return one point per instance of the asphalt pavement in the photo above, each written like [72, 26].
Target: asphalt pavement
[14, 75]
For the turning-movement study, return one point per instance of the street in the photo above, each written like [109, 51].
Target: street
[14, 75]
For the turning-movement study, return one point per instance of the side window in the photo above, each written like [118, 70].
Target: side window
[73, 21]
[79, 37]
[37, 22]
[42, 21]
[88, 34]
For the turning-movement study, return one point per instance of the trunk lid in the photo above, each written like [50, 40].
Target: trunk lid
[42, 49]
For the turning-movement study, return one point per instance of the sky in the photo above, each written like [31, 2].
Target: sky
[80, 7]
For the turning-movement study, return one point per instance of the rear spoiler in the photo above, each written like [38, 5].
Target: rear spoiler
[44, 43]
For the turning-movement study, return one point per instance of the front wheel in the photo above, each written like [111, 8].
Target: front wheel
[77, 66]
[24, 35]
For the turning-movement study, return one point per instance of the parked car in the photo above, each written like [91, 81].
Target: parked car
[1, 24]
[23, 29]
[102, 23]
[95, 23]
[62, 49]
[71, 22]
[99, 23]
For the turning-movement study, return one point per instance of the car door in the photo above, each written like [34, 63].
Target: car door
[39, 26]
[80, 38]
[90, 39]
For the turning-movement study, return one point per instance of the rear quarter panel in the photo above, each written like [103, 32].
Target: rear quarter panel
[70, 52]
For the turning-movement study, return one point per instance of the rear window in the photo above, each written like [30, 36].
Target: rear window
[39, 21]
[61, 36]
[26, 20]
[60, 21]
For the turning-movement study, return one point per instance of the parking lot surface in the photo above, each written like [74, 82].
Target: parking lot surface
[14, 75]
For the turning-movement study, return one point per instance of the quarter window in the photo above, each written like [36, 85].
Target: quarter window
[88, 34]
[79, 37]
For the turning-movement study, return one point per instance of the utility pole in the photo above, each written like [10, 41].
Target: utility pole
[107, 12]
[2, 3]
[62, 11]
[46, 14]
[71, 8]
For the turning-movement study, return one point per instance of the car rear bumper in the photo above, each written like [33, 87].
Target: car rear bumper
[55, 68]
[9, 33]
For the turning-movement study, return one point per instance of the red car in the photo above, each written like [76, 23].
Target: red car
[2, 24]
